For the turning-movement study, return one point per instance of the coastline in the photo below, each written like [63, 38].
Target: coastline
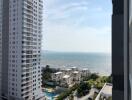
[101, 73]
[95, 62]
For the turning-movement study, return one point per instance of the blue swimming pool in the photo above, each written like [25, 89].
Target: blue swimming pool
[50, 96]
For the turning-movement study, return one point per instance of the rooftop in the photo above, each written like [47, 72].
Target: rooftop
[107, 89]
[58, 73]
[75, 72]
[66, 76]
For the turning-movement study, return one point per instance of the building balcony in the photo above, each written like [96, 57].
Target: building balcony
[27, 43]
[25, 77]
[27, 39]
[27, 34]
[27, 93]
[27, 84]
[27, 12]
[29, 67]
[25, 49]
[25, 87]
[27, 71]
[28, 2]
[25, 26]
[30, 18]
[27, 21]
[26, 65]
[28, 7]
[26, 80]
[27, 31]
[27, 90]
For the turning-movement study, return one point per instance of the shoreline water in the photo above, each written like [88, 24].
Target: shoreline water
[91, 71]
[95, 62]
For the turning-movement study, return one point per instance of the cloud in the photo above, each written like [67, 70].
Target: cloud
[76, 25]
[65, 10]
[75, 13]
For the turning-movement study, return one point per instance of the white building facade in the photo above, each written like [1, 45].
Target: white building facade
[66, 80]
[21, 60]
[85, 72]
[76, 76]
[57, 76]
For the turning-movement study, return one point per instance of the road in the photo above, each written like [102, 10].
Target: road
[91, 93]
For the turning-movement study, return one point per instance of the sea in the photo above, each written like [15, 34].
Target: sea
[95, 62]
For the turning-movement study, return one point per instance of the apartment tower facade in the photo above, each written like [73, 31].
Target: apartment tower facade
[20, 49]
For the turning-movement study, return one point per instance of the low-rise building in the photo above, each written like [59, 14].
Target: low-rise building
[85, 72]
[105, 92]
[66, 80]
[57, 76]
[67, 71]
[76, 76]
[69, 76]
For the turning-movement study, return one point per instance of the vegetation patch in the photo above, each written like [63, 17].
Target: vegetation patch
[94, 81]
[67, 92]
[46, 76]
[83, 89]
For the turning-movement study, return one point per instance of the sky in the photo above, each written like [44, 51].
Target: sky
[77, 25]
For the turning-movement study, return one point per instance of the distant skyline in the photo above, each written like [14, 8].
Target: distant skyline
[77, 25]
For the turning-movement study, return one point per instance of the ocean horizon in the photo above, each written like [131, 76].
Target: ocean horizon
[95, 62]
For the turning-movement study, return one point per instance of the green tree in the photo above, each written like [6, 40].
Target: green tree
[83, 87]
[109, 79]
[46, 74]
[67, 92]
[48, 69]
[110, 98]
[94, 76]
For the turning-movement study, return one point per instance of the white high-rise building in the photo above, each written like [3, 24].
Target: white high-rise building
[20, 49]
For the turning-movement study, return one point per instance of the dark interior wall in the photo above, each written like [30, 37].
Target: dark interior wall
[118, 49]
[126, 51]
